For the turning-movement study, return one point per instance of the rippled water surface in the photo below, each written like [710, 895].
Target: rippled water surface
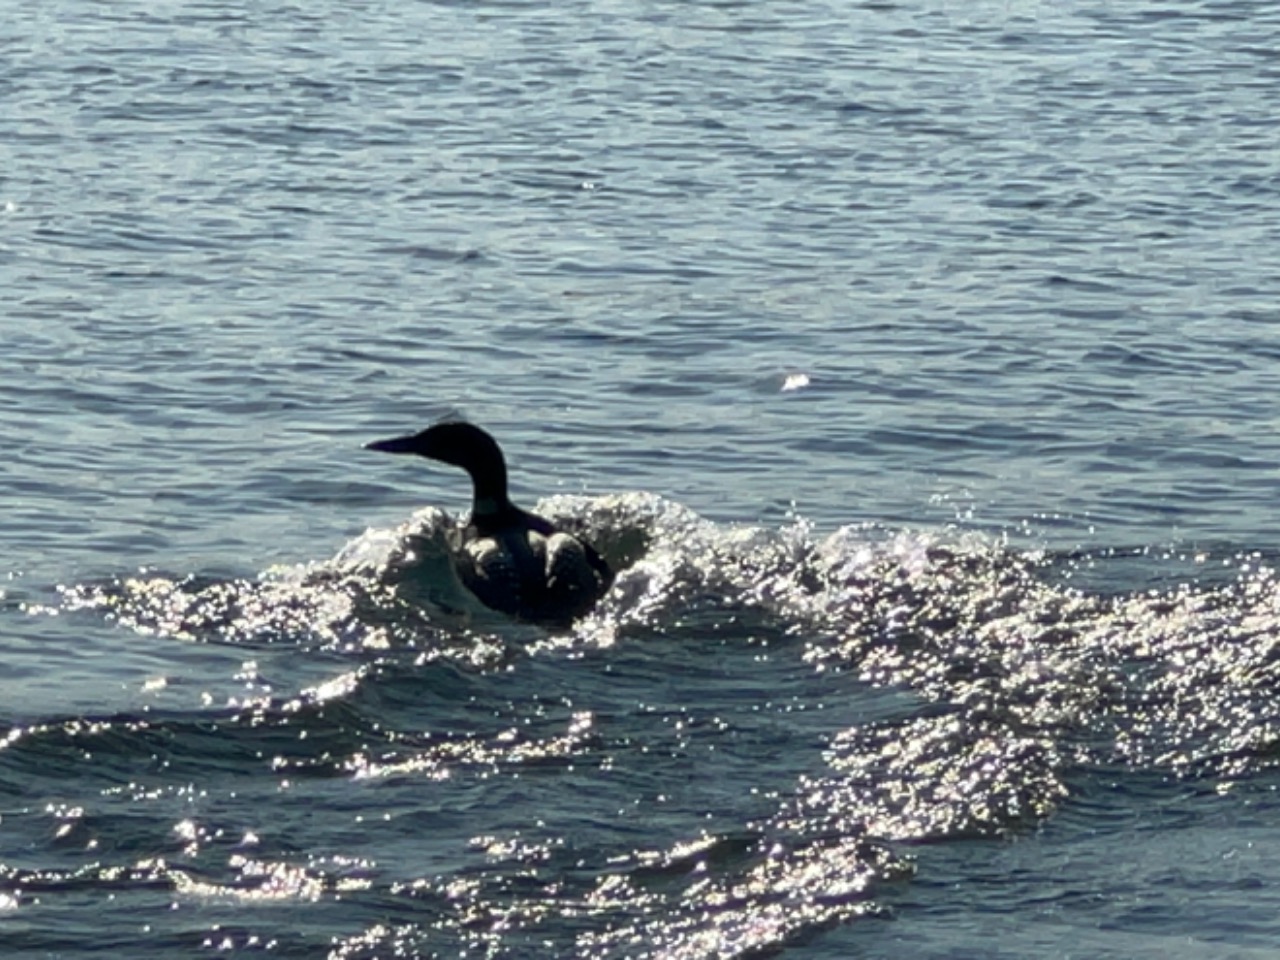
[914, 364]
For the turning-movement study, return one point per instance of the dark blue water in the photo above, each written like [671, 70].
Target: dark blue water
[914, 364]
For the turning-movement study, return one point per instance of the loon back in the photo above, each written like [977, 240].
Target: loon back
[531, 570]
[514, 561]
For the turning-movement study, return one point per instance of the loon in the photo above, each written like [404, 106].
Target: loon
[514, 561]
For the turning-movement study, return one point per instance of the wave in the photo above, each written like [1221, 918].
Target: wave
[837, 698]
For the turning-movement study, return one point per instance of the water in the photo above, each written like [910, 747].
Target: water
[914, 364]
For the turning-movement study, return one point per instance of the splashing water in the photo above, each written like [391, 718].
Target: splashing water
[735, 749]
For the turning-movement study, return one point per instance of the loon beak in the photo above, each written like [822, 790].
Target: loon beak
[395, 445]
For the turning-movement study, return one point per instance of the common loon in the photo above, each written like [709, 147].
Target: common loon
[514, 561]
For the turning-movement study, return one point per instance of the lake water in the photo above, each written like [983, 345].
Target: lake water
[915, 364]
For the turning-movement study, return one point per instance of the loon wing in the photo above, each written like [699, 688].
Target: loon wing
[576, 575]
[532, 571]
[488, 570]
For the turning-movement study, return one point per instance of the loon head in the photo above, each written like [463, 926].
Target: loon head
[463, 445]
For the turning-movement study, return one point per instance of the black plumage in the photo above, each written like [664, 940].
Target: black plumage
[514, 561]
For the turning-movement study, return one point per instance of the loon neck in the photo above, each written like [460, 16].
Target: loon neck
[489, 507]
[489, 494]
